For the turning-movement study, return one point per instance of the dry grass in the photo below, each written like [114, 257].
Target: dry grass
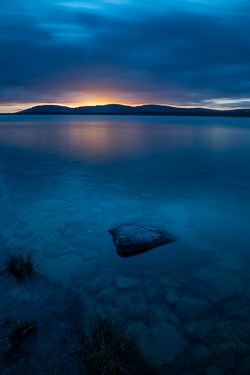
[20, 264]
[108, 348]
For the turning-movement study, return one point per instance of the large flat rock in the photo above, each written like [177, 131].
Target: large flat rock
[135, 239]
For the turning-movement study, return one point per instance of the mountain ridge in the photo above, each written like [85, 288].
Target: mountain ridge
[119, 109]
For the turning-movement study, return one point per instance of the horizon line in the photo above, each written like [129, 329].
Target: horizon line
[215, 108]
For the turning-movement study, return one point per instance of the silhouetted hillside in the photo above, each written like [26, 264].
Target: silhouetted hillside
[117, 109]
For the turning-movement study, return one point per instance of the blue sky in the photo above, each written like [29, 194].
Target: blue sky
[177, 52]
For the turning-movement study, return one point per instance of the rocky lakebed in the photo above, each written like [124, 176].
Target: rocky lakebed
[191, 314]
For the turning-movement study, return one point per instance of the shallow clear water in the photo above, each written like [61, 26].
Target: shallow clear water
[66, 180]
[115, 170]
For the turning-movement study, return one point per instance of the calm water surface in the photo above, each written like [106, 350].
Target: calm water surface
[66, 180]
[192, 174]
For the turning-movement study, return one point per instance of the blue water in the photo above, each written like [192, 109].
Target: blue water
[66, 180]
[198, 167]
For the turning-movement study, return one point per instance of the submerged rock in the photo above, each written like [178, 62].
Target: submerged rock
[208, 284]
[154, 294]
[107, 295]
[135, 239]
[126, 282]
[190, 309]
[123, 301]
[99, 283]
[199, 331]
[172, 297]
[196, 356]
[165, 343]
[138, 311]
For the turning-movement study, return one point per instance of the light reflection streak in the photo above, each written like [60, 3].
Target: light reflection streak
[116, 137]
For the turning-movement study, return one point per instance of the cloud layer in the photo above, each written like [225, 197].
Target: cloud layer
[183, 53]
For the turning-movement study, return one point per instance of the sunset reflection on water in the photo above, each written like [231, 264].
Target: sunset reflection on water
[115, 137]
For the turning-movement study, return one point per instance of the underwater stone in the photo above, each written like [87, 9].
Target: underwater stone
[165, 343]
[21, 225]
[154, 294]
[190, 309]
[237, 313]
[208, 284]
[138, 311]
[172, 297]
[138, 328]
[198, 356]
[135, 239]
[126, 282]
[199, 331]
[99, 283]
[123, 301]
[107, 295]
[51, 251]
[168, 281]
[173, 317]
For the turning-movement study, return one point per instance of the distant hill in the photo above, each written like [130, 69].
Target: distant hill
[118, 109]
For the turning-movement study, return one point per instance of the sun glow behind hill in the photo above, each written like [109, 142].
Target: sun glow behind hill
[218, 104]
[16, 107]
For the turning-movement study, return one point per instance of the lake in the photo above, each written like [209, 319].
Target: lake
[66, 180]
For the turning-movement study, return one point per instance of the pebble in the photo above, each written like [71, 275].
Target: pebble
[168, 281]
[172, 297]
[154, 294]
[138, 311]
[174, 318]
[199, 331]
[190, 309]
[126, 282]
[98, 283]
[107, 295]
[123, 301]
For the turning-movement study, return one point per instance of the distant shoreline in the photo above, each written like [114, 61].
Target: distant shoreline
[218, 114]
[124, 110]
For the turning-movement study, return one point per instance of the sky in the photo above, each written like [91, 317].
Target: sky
[76, 53]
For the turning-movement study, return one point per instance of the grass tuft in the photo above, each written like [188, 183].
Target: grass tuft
[16, 335]
[19, 264]
[108, 348]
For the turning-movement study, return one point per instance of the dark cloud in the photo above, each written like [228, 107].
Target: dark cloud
[169, 56]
